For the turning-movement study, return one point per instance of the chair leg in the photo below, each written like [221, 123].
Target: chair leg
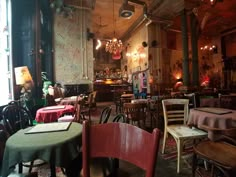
[179, 151]
[53, 170]
[20, 167]
[164, 142]
[31, 166]
[194, 164]
[89, 116]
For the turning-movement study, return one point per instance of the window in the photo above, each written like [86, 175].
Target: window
[6, 77]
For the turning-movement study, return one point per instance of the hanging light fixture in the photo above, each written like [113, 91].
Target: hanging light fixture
[114, 45]
[213, 2]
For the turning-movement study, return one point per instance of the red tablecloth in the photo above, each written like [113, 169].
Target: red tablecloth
[52, 113]
[223, 121]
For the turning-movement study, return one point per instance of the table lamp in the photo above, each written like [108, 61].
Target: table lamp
[24, 79]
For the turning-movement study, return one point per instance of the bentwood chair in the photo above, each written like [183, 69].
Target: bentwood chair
[16, 117]
[135, 112]
[116, 140]
[175, 118]
[219, 155]
[105, 114]
[119, 118]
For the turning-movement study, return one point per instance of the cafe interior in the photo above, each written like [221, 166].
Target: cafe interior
[129, 67]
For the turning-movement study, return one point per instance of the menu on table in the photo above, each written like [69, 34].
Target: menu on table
[214, 110]
[49, 127]
[54, 107]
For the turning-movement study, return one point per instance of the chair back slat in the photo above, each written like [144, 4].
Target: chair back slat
[172, 112]
[135, 111]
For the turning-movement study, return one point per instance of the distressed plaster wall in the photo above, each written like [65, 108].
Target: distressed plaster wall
[73, 53]
[166, 59]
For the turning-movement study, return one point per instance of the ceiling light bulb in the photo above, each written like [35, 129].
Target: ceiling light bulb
[99, 43]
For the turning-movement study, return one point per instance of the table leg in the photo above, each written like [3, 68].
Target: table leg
[53, 170]
[20, 170]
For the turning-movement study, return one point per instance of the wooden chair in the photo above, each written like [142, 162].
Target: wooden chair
[86, 107]
[227, 101]
[105, 114]
[175, 117]
[117, 101]
[114, 162]
[76, 117]
[135, 112]
[94, 102]
[192, 99]
[124, 100]
[153, 109]
[220, 155]
[58, 93]
[116, 140]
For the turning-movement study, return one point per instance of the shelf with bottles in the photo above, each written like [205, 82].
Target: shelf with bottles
[108, 74]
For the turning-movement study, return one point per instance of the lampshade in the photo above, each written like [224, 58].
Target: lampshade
[22, 75]
[116, 55]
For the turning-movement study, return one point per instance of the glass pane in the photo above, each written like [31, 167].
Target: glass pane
[5, 54]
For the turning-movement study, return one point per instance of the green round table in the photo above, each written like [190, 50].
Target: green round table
[58, 148]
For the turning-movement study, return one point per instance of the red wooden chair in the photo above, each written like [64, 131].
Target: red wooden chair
[122, 141]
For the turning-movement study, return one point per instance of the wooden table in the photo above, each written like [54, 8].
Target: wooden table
[58, 148]
[70, 100]
[220, 153]
[212, 117]
[52, 113]
[127, 95]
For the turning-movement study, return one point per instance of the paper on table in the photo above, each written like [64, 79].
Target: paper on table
[49, 127]
[54, 107]
[214, 110]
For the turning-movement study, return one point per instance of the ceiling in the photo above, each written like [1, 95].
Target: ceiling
[212, 20]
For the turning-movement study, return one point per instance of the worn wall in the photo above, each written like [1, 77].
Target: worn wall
[210, 62]
[137, 62]
[136, 58]
[73, 52]
[165, 59]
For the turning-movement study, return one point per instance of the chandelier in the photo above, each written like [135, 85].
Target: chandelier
[114, 45]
